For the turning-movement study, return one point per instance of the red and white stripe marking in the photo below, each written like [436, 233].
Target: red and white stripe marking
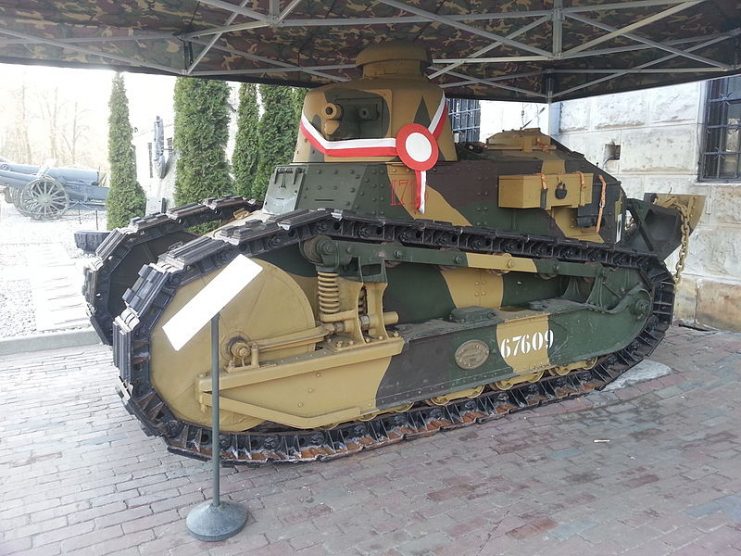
[414, 144]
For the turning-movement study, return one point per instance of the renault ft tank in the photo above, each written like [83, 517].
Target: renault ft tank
[407, 284]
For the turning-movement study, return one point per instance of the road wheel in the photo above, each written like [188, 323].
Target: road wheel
[43, 199]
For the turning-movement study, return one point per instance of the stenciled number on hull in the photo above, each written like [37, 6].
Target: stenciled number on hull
[526, 343]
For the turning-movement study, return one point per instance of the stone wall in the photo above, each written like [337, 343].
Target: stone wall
[659, 132]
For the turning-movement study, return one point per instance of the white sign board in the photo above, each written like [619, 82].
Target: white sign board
[210, 300]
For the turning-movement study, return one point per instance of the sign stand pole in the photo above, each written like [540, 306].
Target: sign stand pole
[215, 520]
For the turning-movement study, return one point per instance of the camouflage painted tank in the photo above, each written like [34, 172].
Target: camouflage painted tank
[407, 284]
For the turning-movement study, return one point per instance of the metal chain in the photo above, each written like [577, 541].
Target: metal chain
[684, 213]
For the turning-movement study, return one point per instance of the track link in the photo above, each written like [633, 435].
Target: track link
[157, 283]
[119, 243]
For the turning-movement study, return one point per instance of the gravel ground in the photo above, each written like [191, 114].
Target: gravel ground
[16, 307]
[18, 235]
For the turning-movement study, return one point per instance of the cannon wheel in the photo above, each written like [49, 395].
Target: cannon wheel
[43, 199]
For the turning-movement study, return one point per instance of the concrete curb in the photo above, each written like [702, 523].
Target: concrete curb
[52, 340]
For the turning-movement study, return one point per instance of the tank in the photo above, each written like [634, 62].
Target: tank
[407, 284]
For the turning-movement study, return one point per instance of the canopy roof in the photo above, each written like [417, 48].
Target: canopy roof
[528, 50]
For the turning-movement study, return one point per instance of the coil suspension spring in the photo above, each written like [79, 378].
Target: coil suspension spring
[328, 293]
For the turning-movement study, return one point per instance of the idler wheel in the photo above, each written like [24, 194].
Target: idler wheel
[271, 305]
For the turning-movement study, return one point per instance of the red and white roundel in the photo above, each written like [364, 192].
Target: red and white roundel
[417, 147]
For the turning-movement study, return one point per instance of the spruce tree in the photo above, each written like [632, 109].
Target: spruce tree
[126, 198]
[277, 129]
[247, 145]
[201, 134]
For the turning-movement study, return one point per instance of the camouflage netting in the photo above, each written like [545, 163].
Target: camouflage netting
[76, 33]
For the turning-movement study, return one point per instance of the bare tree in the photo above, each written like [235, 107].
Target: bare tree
[16, 142]
[51, 109]
[23, 125]
[75, 130]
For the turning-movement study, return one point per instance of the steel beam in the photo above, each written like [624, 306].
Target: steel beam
[703, 69]
[492, 46]
[463, 27]
[281, 20]
[558, 17]
[493, 80]
[276, 63]
[620, 6]
[93, 40]
[633, 47]
[213, 41]
[633, 26]
[225, 29]
[273, 9]
[649, 42]
[491, 60]
[721, 38]
[469, 80]
[239, 10]
[127, 61]
[288, 9]
[268, 71]
[351, 21]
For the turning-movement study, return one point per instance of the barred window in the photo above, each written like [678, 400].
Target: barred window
[721, 155]
[465, 119]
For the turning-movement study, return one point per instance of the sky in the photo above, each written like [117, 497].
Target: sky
[149, 96]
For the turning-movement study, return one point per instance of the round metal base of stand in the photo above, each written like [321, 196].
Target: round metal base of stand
[207, 522]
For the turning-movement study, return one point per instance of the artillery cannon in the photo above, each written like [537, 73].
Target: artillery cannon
[45, 193]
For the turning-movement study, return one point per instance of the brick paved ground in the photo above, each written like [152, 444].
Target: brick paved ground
[77, 475]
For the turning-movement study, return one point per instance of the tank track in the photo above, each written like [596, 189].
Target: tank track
[119, 243]
[157, 284]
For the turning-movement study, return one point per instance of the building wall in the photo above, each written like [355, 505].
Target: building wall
[660, 132]
[499, 116]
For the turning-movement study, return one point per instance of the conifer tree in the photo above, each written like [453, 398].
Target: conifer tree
[247, 145]
[201, 134]
[277, 129]
[126, 198]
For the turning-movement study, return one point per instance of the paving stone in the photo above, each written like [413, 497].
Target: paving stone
[77, 475]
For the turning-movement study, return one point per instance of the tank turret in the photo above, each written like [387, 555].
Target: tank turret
[360, 120]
